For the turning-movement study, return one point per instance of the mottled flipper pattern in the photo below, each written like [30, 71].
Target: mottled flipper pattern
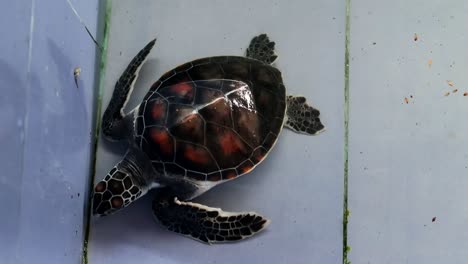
[262, 49]
[206, 224]
[301, 117]
[111, 125]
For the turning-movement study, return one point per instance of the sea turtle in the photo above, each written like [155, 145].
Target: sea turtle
[203, 123]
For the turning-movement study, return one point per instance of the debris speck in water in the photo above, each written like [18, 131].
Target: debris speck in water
[76, 74]
[447, 94]
[450, 83]
[429, 63]
[406, 100]
[416, 37]
[434, 219]
[411, 96]
[454, 91]
[374, 43]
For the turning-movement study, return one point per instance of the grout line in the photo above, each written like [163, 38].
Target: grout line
[346, 247]
[100, 86]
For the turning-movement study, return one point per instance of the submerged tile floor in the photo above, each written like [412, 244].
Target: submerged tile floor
[402, 65]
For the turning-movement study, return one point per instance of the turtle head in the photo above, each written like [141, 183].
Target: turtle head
[116, 191]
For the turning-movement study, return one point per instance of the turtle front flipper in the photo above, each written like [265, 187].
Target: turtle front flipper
[124, 184]
[302, 118]
[206, 224]
[262, 49]
[113, 125]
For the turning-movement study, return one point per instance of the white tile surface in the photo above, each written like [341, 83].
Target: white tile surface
[408, 162]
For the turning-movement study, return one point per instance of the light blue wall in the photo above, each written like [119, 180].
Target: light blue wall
[46, 129]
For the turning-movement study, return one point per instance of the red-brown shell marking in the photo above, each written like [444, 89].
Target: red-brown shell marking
[212, 119]
[164, 144]
[182, 89]
[230, 143]
[196, 155]
[158, 110]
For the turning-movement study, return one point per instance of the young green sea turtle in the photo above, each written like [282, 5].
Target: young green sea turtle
[203, 123]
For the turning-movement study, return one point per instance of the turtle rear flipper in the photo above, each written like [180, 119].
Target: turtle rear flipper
[262, 49]
[113, 125]
[302, 118]
[206, 224]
